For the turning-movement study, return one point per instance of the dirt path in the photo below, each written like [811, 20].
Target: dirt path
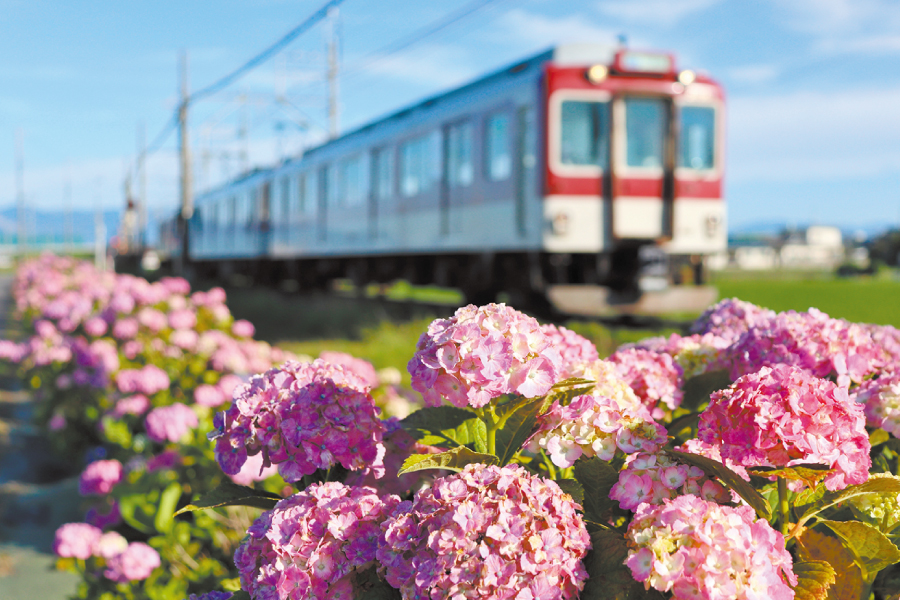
[36, 494]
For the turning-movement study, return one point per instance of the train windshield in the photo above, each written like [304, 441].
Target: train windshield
[696, 150]
[645, 128]
[585, 133]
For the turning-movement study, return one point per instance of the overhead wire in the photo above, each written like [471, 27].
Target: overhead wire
[230, 78]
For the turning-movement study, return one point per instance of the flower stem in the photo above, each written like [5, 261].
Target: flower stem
[784, 507]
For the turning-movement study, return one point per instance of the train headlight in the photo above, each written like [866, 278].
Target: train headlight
[687, 77]
[597, 74]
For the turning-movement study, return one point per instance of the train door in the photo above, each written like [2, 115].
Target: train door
[526, 148]
[643, 168]
[458, 175]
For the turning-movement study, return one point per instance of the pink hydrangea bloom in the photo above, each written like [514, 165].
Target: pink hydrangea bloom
[482, 353]
[146, 380]
[361, 367]
[653, 478]
[783, 416]
[95, 326]
[731, 318]
[655, 377]
[698, 549]
[170, 423]
[880, 399]
[311, 544]
[134, 563]
[228, 384]
[153, 319]
[243, 328]
[76, 540]
[487, 532]
[100, 477]
[812, 341]
[110, 544]
[125, 328]
[137, 404]
[574, 349]
[302, 417]
[185, 339]
[184, 318]
[591, 426]
[695, 354]
[209, 395]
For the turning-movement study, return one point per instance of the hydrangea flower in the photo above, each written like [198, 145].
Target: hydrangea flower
[731, 318]
[170, 423]
[695, 354]
[487, 532]
[134, 563]
[653, 478]
[812, 341]
[574, 349]
[146, 380]
[698, 549]
[110, 544]
[76, 540]
[782, 416]
[303, 417]
[482, 353]
[655, 377]
[591, 426]
[312, 543]
[100, 477]
[880, 399]
[609, 384]
[243, 328]
[137, 404]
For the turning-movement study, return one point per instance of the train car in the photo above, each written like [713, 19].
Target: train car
[565, 168]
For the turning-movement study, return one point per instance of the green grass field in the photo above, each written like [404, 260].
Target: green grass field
[385, 332]
[862, 299]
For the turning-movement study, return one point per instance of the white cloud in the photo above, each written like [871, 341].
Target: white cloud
[664, 13]
[542, 30]
[433, 65]
[753, 74]
[846, 26]
[812, 135]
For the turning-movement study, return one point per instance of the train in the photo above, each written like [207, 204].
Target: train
[581, 165]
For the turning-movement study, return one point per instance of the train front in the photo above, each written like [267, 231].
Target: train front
[634, 163]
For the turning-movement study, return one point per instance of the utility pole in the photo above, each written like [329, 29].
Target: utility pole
[22, 227]
[187, 199]
[333, 116]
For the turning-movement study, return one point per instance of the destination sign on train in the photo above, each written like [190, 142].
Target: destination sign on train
[644, 62]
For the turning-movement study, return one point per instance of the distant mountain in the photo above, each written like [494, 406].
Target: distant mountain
[56, 227]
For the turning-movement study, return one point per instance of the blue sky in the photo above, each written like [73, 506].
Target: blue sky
[813, 87]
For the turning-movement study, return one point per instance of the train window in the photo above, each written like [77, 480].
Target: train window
[419, 164]
[352, 182]
[585, 133]
[383, 172]
[645, 130]
[696, 150]
[308, 185]
[332, 188]
[497, 151]
[229, 211]
[460, 171]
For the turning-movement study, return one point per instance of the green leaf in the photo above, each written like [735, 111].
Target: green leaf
[879, 436]
[683, 422]
[435, 419]
[165, 514]
[608, 577]
[810, 474]
[597, 477]
[117, 432]
[714, 468]
[472, 431]
[452, 460]
[232, 494]
[572, 488]
[872, 549]
[516, 430]
[698, 389]
[812, 502]
[813, 580]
